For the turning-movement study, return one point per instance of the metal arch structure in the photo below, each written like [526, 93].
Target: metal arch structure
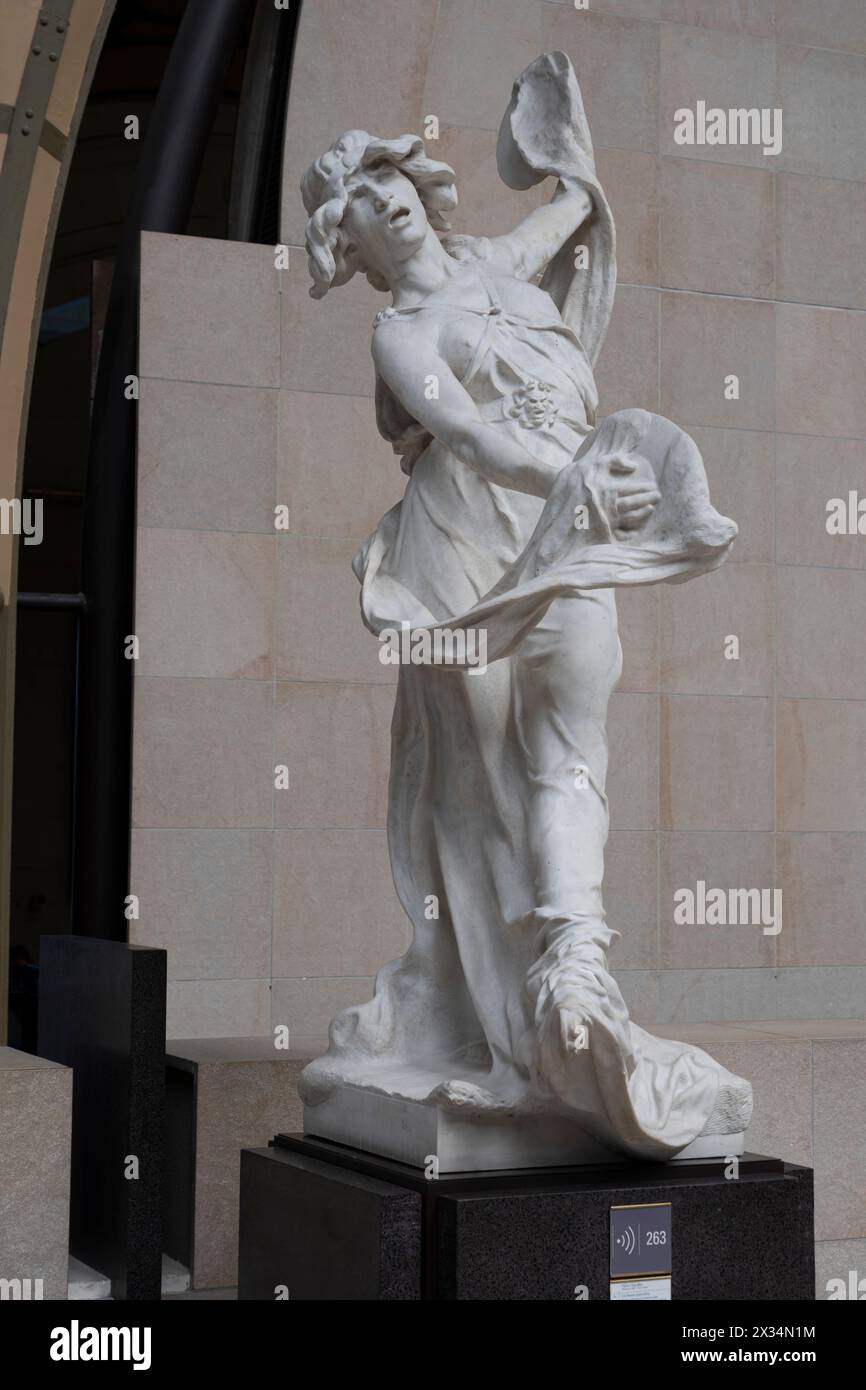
[47, 62]
[254, 208]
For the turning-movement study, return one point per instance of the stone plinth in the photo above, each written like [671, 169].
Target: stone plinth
[309, 1230]
[320, 1219]
[35, 1130]
[102, 1012]
[224, 1095]
[412, 1132]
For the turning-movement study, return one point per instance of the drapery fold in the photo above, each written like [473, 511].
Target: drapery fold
[573, 546]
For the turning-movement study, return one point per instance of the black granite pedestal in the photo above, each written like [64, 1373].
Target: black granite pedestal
[320, 1221]
[317, 1231]
[102, 1012]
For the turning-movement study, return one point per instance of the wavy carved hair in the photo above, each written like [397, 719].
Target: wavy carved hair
[326, 198]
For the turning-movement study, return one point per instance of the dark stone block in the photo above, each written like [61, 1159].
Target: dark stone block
[178, 1197]
[324, 1233]
[102, 1012]
[749, 1238]
[539, 1234]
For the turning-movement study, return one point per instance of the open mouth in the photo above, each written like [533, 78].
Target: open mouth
[399, 217]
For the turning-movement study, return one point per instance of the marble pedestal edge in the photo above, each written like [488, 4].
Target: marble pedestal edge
[412, 1131]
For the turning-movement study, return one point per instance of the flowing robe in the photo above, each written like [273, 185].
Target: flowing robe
[497, 813]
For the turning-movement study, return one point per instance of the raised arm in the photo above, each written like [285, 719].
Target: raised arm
[409, 362]
[530, 248]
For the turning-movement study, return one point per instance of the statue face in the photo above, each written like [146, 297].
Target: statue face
[385, 221]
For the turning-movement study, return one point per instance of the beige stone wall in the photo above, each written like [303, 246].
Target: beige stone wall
[271, 904]
[36, 1105]
[277, 906]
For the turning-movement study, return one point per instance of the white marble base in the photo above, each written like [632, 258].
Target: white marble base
[713, 1146]
[412, 1132]
[175, 1276]
[86, 1283]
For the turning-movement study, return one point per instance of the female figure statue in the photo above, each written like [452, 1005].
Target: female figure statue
[519, 518]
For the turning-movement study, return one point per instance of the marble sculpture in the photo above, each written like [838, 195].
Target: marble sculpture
[522, 515]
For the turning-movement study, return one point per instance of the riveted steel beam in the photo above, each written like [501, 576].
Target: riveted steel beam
[23, 126]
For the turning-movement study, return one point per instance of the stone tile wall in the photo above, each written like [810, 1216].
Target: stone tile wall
[276, 906]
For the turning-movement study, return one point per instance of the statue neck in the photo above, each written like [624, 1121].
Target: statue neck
[426, 270]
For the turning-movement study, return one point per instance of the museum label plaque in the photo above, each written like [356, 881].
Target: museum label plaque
[640, 1252]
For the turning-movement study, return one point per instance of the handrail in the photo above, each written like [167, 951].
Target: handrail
[76, 603]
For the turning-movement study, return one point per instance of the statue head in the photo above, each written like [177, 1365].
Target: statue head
[372, 203]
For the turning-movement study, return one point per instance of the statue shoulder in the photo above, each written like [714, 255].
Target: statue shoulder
[469, 248]
[395, 333]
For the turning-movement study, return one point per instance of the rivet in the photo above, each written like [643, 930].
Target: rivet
[25, 130]
[52, 57]
[36, 52]
[43, 22]
[60, 28]
[29, 115]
